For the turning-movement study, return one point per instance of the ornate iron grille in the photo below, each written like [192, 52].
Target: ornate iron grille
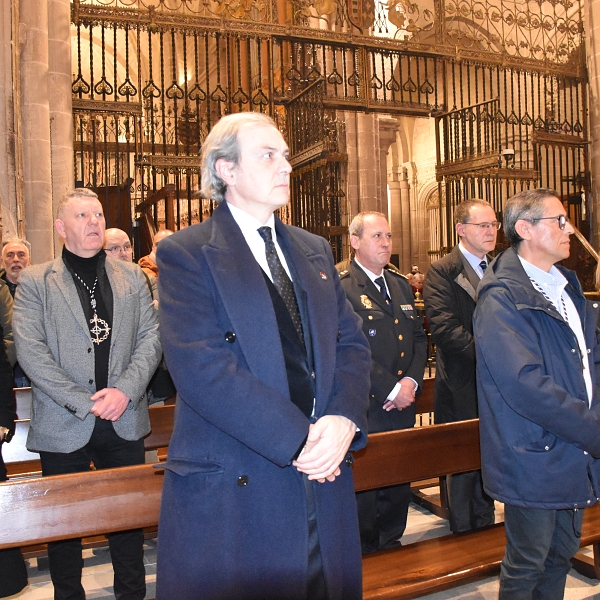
[518, 129]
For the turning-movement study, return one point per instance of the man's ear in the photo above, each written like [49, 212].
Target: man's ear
[460, 229]
[523, 228]
[354, 241]
[60, 227]
[226, 171]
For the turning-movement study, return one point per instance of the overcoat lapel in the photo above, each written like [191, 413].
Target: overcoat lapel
[64, 281]
[242, 289]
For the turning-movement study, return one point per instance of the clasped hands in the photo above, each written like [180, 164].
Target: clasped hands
[326, 447]
[109, 404]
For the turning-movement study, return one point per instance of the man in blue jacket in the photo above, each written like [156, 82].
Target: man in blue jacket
[539, 407]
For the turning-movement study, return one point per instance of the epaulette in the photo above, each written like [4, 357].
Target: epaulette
[344, 273]
[343, 266]
[393, 269]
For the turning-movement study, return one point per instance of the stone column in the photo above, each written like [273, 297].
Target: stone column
[37, 170]
[592, 27]
[364, 164]
[11, 176]
[61, 109]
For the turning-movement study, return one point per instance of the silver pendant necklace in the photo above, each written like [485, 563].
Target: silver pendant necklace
[99, 329]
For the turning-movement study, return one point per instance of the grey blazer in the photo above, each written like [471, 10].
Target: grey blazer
[55, 349]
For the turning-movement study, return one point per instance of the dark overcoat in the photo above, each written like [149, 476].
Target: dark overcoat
[13, 574]
[233, 521]
[450, 300]
[398, 342]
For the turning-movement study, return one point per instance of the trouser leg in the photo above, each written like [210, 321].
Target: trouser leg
[127, 555]
[392, 508]
[482, 505]
[316, 586]
[108, 451]
[539, 546]
[565, 543]
[64, 558]
[366, 503]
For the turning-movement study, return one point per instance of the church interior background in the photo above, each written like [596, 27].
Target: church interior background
[402, 107]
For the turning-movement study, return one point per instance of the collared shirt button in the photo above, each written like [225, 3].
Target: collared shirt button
[230, 337]
[89, 350]
[400, 337]
[546, 447]
[400, 372]
[589, 351]
[91, 381]
[595, 305]
[589, 501]
[242, 480]
[573, 350]
[401, 354]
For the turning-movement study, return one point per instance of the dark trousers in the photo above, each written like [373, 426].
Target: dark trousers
[106, 450]
[382, 517]
[469, 506]
[539, 546]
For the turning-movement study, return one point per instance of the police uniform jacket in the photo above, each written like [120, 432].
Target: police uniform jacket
[398, 342]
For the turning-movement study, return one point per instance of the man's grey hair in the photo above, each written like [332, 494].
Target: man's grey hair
[76, 193]
[222, 142]
[528, 205]
[357, 226]
[462, 210]
[16, 240]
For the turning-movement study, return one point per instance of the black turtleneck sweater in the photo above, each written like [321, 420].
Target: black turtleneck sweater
[88, 269]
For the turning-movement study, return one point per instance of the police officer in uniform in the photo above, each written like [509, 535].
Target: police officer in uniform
[383, 298]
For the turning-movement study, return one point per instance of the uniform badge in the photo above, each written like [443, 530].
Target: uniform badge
[372, 332]
[366, 301]
[323, 275]
[407, 307]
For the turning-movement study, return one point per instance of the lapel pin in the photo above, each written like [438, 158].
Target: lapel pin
[366, 302]
[323, 275]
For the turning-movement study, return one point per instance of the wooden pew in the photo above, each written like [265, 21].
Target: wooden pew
[436, 564]
[44, 509]
[22, 463]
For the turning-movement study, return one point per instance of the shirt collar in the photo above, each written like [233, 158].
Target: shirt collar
[372, 276]
[249, 224]
[473, 260]
[552, 280]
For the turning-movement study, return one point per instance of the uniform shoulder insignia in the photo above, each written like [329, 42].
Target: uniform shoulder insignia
[344, 273]
[392, 269]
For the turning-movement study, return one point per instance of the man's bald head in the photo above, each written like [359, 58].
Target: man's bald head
[117, 244]
[160, 235]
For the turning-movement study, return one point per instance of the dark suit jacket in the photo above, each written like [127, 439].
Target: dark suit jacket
[233, 520]
[398, 342]
[450, 298]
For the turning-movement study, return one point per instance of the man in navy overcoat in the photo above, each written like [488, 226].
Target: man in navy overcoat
[272, 372]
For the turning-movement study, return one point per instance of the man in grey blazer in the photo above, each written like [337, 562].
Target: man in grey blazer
[87, 337]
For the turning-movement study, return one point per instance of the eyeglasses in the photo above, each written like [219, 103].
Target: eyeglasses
[117, 249]
[494, 224]
[561, 219]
